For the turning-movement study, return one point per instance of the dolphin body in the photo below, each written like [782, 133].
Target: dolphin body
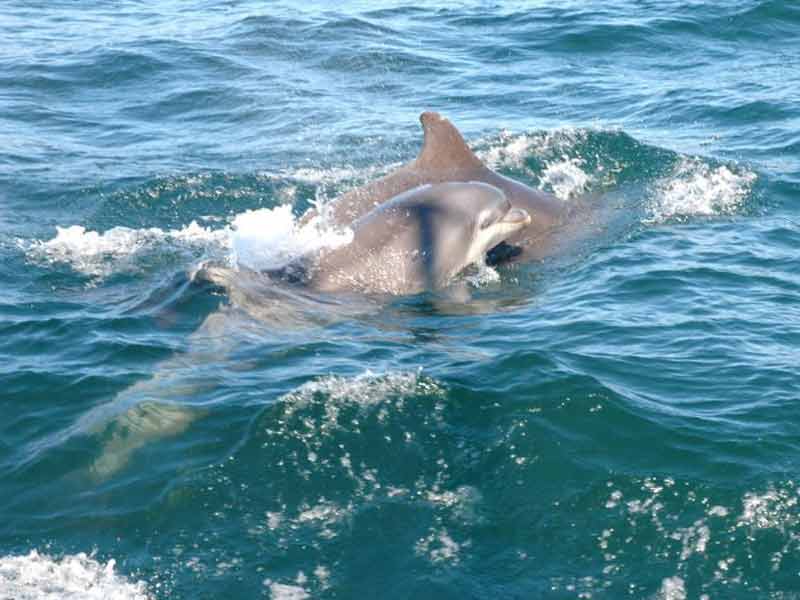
[446, 205]
[445, 157]
[416, 241]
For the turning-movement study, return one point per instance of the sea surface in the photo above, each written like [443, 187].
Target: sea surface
[621, 420]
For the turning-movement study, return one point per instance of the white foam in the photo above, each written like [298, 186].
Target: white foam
[614, 499]
[511, 150]
[462, 503]
[259, 239]
[439, 547]
[774, 509]
[366, 389]
[323, 575]
[711, 542]
[326, 180]
[73, 577]
[565, 177]
[695, 188]
[718, 511]
[269, 238]
[274, 520]
[328, 175]
[672, 588]
[694, 539]
[325, 407]
[485, 275]
[99, 254]
[299, 588]
[282, 591]
[324, 512]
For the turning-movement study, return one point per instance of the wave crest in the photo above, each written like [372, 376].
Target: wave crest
[73, 577]
[695, 188]
[258, 239]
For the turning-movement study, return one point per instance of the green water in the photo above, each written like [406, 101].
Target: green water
[620, 420]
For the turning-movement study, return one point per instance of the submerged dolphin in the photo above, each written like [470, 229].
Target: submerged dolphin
[445, 157]
[419, 240]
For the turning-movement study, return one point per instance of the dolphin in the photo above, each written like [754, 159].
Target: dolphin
[418, 240]
[445, 157]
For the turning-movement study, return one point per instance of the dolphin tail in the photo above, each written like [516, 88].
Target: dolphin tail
[444, 146]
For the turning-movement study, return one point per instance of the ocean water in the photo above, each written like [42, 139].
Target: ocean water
[618, 421]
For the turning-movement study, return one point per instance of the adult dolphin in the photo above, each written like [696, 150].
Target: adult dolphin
[418, 240]
[445, 157]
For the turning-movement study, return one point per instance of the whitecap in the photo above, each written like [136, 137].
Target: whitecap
[773, 509]
[565, 177]
[484, 275]
[439, 547]
[258, 239]
[98, 255]
[672, 588]
[695, 188]
[563, 173]
[269, 238]
[72, 577]
[283, 591]
[510, 150]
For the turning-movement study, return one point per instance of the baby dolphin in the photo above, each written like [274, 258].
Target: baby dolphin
[418, 240]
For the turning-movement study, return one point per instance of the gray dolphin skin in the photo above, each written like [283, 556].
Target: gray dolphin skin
[445, 157]
[418, 240]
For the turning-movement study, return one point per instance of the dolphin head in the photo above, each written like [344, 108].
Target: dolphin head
[421, 239]
[483, 217]
[497, 222]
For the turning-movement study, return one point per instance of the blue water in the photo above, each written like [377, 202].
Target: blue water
[620, 420]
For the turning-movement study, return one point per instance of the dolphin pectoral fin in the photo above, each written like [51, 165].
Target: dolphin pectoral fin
[443, 146]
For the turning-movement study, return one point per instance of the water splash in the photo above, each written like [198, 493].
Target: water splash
[270, 238]
[72, 577]
[695, 188]
[564, 172]
[565, 177]
[258, 239]
[98, 255]
[283, 591]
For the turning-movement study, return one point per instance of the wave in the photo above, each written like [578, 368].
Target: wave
[256, 239]
[98, 255]
[696, 188]
[36, 576]
[569, 162]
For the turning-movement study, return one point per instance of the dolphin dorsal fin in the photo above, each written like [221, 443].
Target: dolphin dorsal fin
[443, 146]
